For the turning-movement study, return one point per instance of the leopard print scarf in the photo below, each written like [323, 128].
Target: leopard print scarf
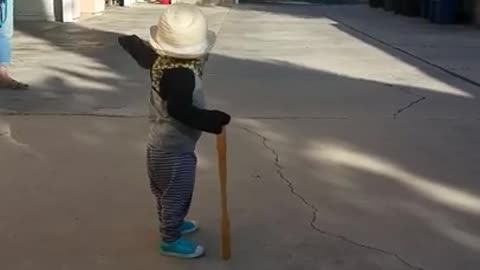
[165, 62]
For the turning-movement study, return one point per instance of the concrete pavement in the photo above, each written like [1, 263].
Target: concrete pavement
[346, 152]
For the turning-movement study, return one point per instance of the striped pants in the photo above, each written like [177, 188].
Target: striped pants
[172, 179]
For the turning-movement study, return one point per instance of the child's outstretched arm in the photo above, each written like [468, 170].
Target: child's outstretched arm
[143, 54]
[177, 85]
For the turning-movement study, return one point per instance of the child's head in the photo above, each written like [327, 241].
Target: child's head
[182, 32]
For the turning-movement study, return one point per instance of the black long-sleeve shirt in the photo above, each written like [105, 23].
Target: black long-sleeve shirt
[175, 95]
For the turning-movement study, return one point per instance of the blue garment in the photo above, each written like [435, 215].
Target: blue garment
[6, 31]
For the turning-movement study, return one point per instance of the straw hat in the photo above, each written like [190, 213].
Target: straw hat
[182, 32]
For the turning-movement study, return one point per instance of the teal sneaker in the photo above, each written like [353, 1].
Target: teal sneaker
[182, 248]
[188, 227]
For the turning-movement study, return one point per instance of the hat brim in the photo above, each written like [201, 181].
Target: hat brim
[184, 53]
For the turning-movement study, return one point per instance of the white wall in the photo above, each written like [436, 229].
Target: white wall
[70, 10]
[128, 2]
[35, 10]
[92, 6]
[47, 10]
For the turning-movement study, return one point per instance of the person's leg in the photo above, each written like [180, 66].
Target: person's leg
[172, 177]
[178, 194]
[6, 33]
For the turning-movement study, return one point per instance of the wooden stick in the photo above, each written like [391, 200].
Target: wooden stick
[222, 169]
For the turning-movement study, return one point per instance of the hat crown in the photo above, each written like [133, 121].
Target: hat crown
[182, 25]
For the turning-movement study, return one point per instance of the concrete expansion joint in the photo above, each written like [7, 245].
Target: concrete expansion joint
[297, 117]
[280, 170]
[412, 55]
[73, 114]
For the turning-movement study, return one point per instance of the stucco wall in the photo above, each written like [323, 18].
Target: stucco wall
[35, 10]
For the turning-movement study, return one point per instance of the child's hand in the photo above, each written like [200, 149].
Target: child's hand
[226, 119]
[223, 120]
[126, 40]
[122, 40]
[143, 54]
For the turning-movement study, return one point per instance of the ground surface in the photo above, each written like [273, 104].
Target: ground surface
[355, 144]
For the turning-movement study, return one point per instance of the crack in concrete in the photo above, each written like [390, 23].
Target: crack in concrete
[418, 99]
[409, 105]
[280, 172]
[7, 134]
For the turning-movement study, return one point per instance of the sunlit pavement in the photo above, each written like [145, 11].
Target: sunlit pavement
[355, 144]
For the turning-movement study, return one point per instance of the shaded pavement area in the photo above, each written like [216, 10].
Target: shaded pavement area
[355, 144]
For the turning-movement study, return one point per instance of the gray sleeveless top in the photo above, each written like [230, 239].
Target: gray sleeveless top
[166, 133]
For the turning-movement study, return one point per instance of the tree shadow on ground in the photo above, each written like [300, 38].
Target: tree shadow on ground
[96, 76]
